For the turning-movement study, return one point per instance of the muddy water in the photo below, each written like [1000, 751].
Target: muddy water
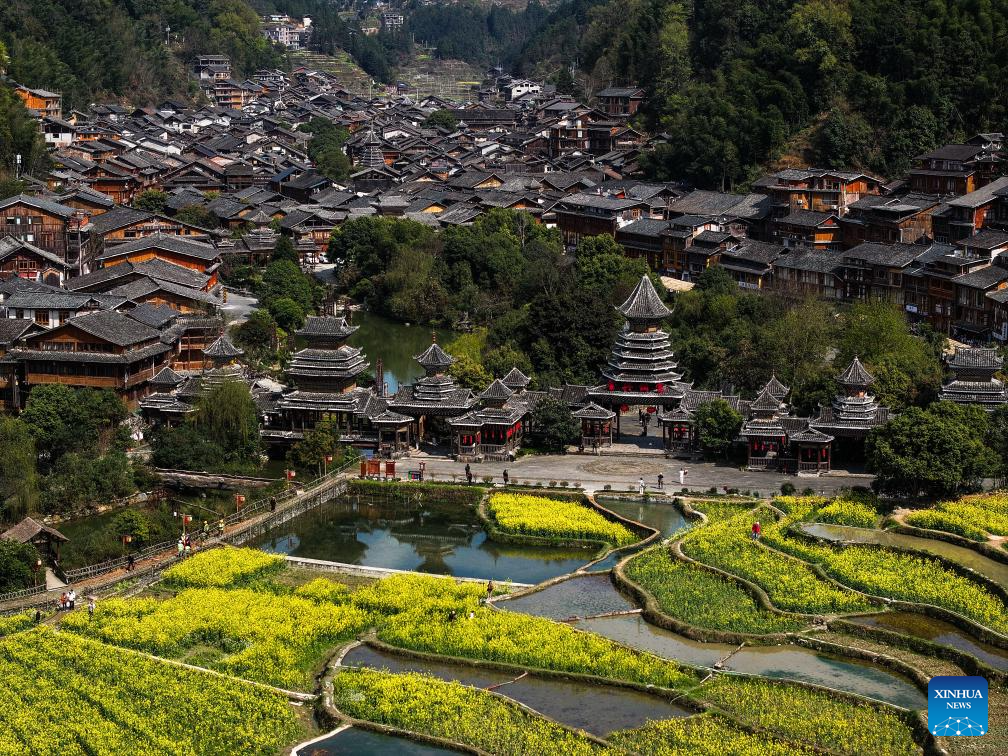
[583, 596]
[936, 631]
[592, 708]
[780, 662]
[354, 742]
[995, 571]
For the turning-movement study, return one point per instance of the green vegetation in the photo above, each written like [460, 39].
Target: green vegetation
[718, 425]
[503, 270]
[453, 711]
[441, 119]
[885, 573]
[326, 148]
[975, 517]
[554, 427]
[700, 598]
[867, 84]
[151, 200]
[253, 634]
[847, 512]
[222, 568]
[15, 623]
[223, 435]
[700, 735]
[790, 584]
[808, 716]
[19, 135]
[933, 452]
[91, 50]
[310, 453]
[561, 520]
[65, 694]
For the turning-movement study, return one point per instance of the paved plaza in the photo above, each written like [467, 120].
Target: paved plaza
[622, 472]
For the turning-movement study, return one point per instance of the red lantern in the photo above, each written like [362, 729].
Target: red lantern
[624, 408]
[652, 410]
[612, 386]
[643, 388]
[626, 386]
[824, 452]
[660, 388]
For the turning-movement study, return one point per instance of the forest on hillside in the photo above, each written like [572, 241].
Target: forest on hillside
[108, 49]
[737, 84]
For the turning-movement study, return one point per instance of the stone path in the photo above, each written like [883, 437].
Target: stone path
[624, 472]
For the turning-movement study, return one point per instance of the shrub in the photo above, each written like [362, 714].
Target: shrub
[522, 514]
[224, 567]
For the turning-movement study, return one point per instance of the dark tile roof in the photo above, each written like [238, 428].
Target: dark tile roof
[855, 375]
[644, 303]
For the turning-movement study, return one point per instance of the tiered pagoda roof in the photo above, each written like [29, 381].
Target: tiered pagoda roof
[641, 367]
[338, 366]
[516, 380]
[973, 379]
[435, 393]
[775, 387]
[223, 349]
[644, 305]
[325, 330]
[853, 412]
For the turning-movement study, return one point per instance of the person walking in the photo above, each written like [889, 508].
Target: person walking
[756, 530]
[468, 473]
[273, 504]
[490, 589]
[63, 601]
[640, 486]
[220, 527]
[90, 609]
[130, 563]
[661, 482]
[206, 530]
[38, 616]
[505, 476]
[181, 546]
[72, 598]
[682, 476]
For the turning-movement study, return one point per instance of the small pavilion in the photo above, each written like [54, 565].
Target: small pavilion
[596, 426]
[45, 539]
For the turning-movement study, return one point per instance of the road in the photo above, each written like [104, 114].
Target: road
[238, 307]
[625, 472]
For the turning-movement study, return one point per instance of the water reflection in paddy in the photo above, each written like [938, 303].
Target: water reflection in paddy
[448, 543]
[593, 708]
[996, 571]
[936, 631]
[573, 597]
[355, 742]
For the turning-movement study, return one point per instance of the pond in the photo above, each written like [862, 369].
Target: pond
[449, 541]
[593, 708]
[996, 571]
[395, 344]
[663, 516]
[355, 742]
[575, 596]
[936, 631]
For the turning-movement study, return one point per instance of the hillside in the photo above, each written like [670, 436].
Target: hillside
[110, 49]
[733, 81]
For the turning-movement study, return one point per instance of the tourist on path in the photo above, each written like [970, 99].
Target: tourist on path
[62, 601]
[206, 530]
[468, 472]
[505, 477]
[661, 481]
[490, 589]
[757, 531]
[641, 486]
[130, 563]
[682, 476]
[220, 527]
[181, 547]
[90, 609]
[72, 598]
[273, 504]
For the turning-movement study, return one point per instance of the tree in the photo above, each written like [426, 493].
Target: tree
[19, 481]
[287, 313]
[151, 200]
[196, 215]
[284, 250]
[326, 148]
[309, 453]
[441, 119]
[718, 426]
[17, 565]
[935, 452]
[285, 279]
[62, 419]
[185, 447]
[257, 335]
[227, 416]
[131, 522]
[554, 428]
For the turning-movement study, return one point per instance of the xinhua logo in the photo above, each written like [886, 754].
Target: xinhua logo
[957, 706]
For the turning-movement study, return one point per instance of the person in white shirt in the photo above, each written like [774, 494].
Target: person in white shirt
[72, 598]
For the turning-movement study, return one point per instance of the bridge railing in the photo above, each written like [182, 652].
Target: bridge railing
[245, 513]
